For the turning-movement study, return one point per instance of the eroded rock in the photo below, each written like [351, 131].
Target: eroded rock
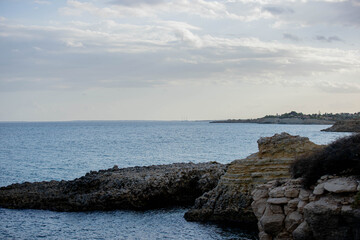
[127, 188]
[271, 163]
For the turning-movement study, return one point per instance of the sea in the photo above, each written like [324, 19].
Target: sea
[43, 151]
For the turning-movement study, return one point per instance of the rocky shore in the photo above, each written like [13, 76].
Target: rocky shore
[129, 188]
[344, 126]
[255, 192]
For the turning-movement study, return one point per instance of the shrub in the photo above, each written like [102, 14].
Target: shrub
[341, 157]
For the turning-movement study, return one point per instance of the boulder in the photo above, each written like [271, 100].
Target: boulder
[272, 223]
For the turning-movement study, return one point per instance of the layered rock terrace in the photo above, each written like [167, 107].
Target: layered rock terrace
[230, 200]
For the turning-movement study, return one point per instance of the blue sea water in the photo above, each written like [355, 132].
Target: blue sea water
[38, 151]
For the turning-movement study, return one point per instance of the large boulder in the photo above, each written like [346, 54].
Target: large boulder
[128, 188]
[231, 199]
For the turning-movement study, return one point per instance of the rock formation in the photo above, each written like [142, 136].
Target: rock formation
[327, 212]
[128, 188]
[231, 199]
[344, 126]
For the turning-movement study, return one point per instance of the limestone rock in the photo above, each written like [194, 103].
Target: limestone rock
[340, 185]
[302, 232]
[128, 188]
[277, 192]
[304, 194]
[292, 221]
[278, 200]
[291, 192]
[328, 222]
[234, 189]
[272, 223]
[259, 207]
[319, 189]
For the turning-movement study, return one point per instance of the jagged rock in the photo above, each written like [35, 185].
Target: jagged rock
[272, 162]
[128, 188]
[344, 126]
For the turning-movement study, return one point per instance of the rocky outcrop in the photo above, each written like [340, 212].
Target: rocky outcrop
[344, 126]
[128, 188]
[231, 200]
[326, 212]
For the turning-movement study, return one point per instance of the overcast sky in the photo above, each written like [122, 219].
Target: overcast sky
[177, 60]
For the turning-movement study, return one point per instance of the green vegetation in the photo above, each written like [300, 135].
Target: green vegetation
[325, 116]
[341, 157]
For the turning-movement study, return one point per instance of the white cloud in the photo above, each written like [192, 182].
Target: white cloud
[167, 52]
[43, 2]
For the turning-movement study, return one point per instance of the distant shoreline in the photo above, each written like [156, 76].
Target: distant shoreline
[297, 118]
[278, 121]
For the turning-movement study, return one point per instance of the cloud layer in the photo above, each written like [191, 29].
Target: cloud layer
[81, 45]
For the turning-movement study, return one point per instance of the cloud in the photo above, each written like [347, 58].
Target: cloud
[328, 39]
[276, 10]
[291, 37]
[42, 2]
[113, 55]
[136, 2]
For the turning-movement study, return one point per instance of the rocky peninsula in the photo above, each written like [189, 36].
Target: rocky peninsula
[344, 126]
[136, 188]
[290, 189]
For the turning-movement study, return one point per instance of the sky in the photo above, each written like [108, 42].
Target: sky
[177, 59]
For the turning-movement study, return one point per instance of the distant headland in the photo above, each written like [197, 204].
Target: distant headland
[297, 118]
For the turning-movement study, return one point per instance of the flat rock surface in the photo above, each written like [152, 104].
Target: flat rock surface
[127, 188]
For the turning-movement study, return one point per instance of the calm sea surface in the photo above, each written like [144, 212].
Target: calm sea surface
[67, 150]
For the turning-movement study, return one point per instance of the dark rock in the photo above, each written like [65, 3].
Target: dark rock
[344, 126]
[128, 188]
[326, 220]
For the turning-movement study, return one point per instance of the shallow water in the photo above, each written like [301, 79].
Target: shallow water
[67, 150]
